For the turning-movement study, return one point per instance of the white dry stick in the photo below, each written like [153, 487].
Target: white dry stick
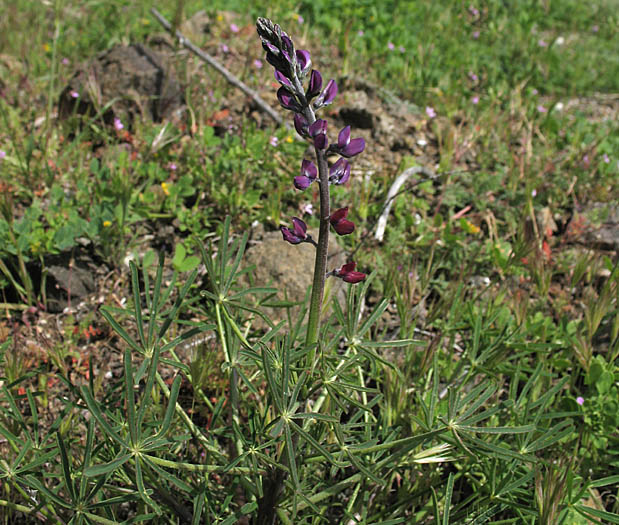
[393, 192]
[205, 57]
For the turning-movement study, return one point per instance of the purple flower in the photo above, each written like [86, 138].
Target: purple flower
[297, 234]
[74, 94]
[402, 49]
[273, 141]
[541, 109]
[360, 32]
[390, 46]
[234, 28]
[580, 400]
[348, 274]
[339, 173]
[473, 76]
[318, 131]
[347, 147]
[340, 223]
[542, 43]
[258, 64]
[282, 79]
[304, 62]
[475, 35]
[315, 84]
[172, 166]
[595, 28]
[474, 11]
[606, 159]
[430, 112]
[287, 100]
[65, 61]
[327, 96]
[308, 208]
[475, 100]
[118, 124]
[301, 125]
[309, 173]
[2, 154]
[224, 48]
[300, 19]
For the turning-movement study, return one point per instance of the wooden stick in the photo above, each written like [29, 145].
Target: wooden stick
[393, 192]
[205, 57]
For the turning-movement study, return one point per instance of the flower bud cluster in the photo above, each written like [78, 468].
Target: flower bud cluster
[293, 71]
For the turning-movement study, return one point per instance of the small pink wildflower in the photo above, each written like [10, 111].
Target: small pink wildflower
[391, 46]
[258, 63]
[2, 154]
[541, 109]
[475, 35]
[580, 400]
[172, 166]
[300, 19]
[118, 124]
[595, 28]
[473, 76]
[234, 28]
[308, 208]
[534, 91]
[430, 112]
[606, 159]
[360, 32]
[274, 141]
[224, 48]
[475, 100]
[74, 94]
[402, 49]
[542, 43]
[474, 11]
[533, 192]
[585, 160]
[65, 61]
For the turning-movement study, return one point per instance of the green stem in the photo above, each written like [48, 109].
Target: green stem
[320, 264]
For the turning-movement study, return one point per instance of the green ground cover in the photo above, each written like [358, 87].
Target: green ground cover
[471, 379]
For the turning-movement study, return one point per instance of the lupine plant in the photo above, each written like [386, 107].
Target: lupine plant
[302, 92]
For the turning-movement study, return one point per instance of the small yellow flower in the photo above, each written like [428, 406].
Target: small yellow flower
[107, 224]
[289, 139]
[145, 21]
[46, 47]
[470, 227]
[220, 18]
[165, 187]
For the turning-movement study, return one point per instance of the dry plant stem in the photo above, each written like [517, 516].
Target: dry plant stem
[205, 57]
[393, 191]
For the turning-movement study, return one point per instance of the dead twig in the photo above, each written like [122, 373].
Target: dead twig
[205, 57]
[393, 192]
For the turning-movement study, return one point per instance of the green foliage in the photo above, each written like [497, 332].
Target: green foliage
[473, 379]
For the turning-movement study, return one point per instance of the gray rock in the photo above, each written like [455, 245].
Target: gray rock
[134, 81]
[290, 269]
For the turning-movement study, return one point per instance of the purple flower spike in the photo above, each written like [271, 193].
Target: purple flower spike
[309, 173]
[297, 234]
[286, 100]
[340, 223]
[318, 130]
[347, 147]
[339, 173]
[315, 84]
[348, 274]
[304, 62]
[301, 125]
[327, 96]
[281, 78]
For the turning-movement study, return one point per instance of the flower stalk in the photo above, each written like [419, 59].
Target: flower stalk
[292, 67]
